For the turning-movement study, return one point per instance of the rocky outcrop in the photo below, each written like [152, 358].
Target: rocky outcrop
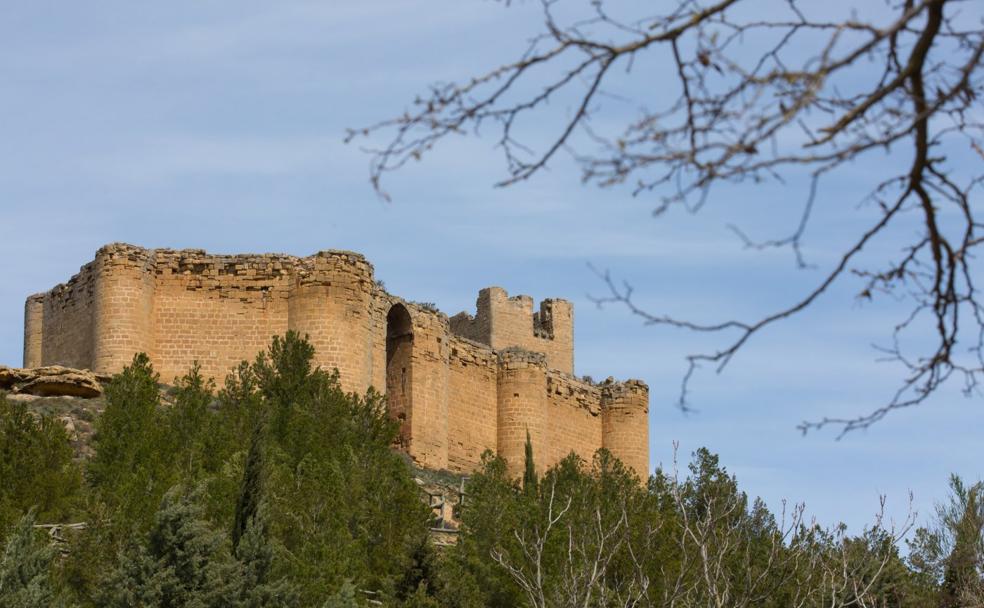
[52, 381]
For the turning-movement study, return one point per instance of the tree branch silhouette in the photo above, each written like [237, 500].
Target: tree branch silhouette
[759, 99]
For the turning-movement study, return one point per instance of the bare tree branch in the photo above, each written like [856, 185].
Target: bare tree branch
[764, 99]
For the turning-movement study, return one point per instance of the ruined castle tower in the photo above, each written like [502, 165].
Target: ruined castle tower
[459, 386]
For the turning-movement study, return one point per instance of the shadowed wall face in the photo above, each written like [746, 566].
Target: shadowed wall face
[399, 369]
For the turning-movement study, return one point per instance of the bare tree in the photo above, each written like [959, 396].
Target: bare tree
[761, 92]
[722, 557]
[728, 563]
[591, 547]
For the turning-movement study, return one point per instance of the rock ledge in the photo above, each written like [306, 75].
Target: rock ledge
[52, 381]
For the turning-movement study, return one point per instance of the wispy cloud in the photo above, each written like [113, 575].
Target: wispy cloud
[167, 157]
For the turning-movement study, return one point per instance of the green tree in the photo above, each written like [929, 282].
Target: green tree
[141, 449]
[189, 427]
[255, 555]
[132, 467]
[345, 597]
[495, 508]
[182, 562]
[251, 490]
[963, 567]
[949, 552]
[36, 467]
[595, 536]
[529, 467]
[341, 504]
[562, 546]
[333, 496]
[25, 568]
[281, 438]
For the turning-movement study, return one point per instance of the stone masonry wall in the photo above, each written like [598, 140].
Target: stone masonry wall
[330, 301]
[217, 310]
[574, 409]
[625, 428]
[33, 331]
[67, 321]
[472, 403]
[460, 386]
[123, 306]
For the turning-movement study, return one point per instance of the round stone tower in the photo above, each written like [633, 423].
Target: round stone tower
[123, 306]
[625, 423]
[522, 401]
[329, 302]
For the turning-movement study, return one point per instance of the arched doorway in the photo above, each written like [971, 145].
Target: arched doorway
[399, 373]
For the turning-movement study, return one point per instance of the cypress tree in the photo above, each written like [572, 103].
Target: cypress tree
[529, 470]
[251, 490]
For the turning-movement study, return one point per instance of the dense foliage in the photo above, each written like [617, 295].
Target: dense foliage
[36, 467]
[282, 490]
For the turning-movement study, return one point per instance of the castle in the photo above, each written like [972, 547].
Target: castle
[458, 385]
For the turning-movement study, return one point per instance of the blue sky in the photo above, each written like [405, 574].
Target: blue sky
[219, 125]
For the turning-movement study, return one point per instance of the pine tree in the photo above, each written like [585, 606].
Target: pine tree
[132, 467]
[36, 467]
[343, 598]
[340, 501]
[24, 568]
[183, 562]
[962, 567]
[188, 423]
[529, 470]
[255, 556]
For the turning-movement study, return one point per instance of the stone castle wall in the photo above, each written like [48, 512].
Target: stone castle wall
[459, 386]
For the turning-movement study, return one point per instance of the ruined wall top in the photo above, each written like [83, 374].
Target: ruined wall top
[198, 261]
[502, 322]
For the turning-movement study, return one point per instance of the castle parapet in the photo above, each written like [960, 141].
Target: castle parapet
[503, 322]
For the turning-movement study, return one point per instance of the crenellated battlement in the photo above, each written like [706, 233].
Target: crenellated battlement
[458, 386]
[504, 322]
